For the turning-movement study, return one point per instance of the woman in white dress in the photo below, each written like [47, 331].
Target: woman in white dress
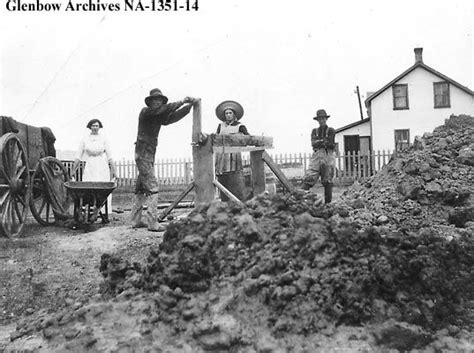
[94, 150]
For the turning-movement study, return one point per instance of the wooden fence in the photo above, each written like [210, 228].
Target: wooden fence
[349, 167]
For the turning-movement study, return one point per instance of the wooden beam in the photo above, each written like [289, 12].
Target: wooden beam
[203, 161]
[279, 174]
[176, 201]
[227, 149]
[235, 140]
[197, 124]
[257, 167]
[227, 192]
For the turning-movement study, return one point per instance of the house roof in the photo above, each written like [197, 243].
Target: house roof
[412, 68]
[356, 123]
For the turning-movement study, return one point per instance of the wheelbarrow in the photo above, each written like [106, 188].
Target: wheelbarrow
[89, 197]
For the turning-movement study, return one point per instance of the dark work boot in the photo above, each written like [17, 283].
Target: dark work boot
[105, 218]
[327, 193]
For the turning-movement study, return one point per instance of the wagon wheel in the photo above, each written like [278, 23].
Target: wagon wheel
[14, 185]
[40, 202]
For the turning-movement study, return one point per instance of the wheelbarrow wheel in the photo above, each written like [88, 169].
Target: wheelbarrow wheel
[14, 185]
[41, 204]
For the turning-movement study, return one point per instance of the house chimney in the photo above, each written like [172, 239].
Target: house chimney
[418, 55]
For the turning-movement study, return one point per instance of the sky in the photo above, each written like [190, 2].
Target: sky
[281, 60]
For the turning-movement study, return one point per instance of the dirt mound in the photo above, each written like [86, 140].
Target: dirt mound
[309, 265]
[284, 272]
[431, 183]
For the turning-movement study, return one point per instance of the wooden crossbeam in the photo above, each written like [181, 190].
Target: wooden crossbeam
[240, 143]
[227, 149]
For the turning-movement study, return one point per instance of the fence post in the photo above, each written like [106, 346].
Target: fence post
[187, 178]
[359, 165]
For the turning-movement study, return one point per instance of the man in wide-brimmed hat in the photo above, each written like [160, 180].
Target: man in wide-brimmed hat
[323, 159]
[229, 170]
[158, 112]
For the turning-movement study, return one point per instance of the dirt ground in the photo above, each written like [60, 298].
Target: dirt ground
[50, 268]
[49, 271]
[386, 267]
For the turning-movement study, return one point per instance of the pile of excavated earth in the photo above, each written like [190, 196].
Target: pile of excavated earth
[390, 264]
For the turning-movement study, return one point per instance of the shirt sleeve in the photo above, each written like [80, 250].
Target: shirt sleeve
[243, 130]
[81, 150]
[108, 151]
[315, 142]
[177, 115]
[162, 111]
[331, 139]
[218, 129]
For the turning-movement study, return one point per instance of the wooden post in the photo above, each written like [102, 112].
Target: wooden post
[359, 164]
[257, 168]
[203, 164]
[187, 172]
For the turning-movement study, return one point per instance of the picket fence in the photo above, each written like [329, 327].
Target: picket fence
[349, 167]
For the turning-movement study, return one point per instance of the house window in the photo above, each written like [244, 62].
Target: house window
[402, 139]
[441, 95]
[400, 96]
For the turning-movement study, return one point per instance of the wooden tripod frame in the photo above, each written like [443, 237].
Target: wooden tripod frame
[204, 147]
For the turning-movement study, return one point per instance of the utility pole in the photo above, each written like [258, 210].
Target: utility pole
[360, 103]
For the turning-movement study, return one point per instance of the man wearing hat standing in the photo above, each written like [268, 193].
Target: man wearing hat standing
[158, 112]
[323, 159]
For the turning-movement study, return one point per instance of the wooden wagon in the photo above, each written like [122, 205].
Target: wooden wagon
[30, 177]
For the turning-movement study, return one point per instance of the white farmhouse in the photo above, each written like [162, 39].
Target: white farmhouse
[413, 103]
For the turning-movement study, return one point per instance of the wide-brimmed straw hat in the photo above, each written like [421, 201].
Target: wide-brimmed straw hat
[233, 105]
[156, 93]
[321, 113]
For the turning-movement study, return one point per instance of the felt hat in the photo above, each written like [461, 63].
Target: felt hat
[321, 113]
[155, 93]
[233, 105]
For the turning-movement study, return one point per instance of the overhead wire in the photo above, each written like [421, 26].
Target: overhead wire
[169, 67]
[71, 54]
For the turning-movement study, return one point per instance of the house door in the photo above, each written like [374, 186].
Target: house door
[351, 147]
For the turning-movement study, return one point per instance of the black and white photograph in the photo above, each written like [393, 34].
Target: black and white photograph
[236, 176]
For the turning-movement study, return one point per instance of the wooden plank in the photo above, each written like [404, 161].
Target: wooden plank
[279, 174]
[227, 149]
[176, 202]
[197, 122]
[257, 167]
[203, 162]
[227, 192]
[235, 140]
